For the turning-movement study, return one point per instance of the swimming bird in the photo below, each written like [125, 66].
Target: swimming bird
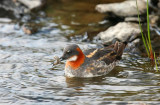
[93, 62]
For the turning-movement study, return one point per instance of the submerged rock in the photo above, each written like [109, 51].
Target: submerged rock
[126, 8]
[123, 31]
[30, 28]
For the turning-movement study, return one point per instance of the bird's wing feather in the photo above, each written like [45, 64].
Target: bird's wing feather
[108, 54]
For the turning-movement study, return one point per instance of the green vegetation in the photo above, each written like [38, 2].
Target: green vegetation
[147, 39]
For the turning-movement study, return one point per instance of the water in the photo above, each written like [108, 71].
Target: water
[28, 78]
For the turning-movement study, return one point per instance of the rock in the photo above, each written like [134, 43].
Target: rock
[5, 20]
[32, 4]
[154, 2]
[122, 32]
[8, 8]
[16, 8]
[30, 28]
[155, 43]
[156, 29]
[123, 9]
[153, 19]
[132, 19]
[134, 46]
[158, 4]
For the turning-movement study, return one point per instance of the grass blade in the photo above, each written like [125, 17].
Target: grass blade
[148, 26]
[143, 38]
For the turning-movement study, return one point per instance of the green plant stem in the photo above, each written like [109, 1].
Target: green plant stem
[148, 26]
[147, 39]
[143, 38]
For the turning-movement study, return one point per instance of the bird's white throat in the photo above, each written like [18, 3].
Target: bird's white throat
[73, 58]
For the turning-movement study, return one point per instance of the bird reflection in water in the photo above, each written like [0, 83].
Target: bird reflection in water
[79, 83]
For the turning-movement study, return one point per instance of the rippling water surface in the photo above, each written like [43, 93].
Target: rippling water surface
[28, 78]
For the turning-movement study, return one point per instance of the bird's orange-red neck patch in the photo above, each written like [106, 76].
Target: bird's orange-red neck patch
[80, 60]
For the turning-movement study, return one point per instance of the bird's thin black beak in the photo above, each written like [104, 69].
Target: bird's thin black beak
[62, 58]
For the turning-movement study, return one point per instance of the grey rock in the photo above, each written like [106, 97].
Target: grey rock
[123, 9]
[159, 4]
[15, 8]
[154, 19]
[8, 8]
[155, 42]
[5, 20]
[30, 28]
[156, 29]
[132, 19]
[123, 31]
[134, 46]
[154, 2]
[31, 4]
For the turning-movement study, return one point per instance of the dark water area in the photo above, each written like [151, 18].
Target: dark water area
[80, 16]
[27, 76]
